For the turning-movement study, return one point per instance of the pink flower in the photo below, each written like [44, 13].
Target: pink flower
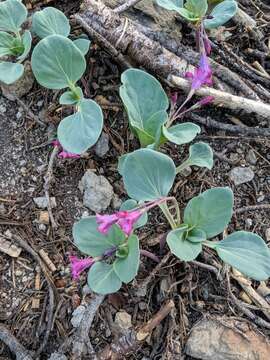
[64, 154]
[124, 219]
[202, 75]
[79, 265]
[105, 222]
[206, 100]
[174, 97]
[128, 219]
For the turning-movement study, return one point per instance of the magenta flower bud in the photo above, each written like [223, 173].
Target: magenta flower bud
[174, 97]
[207, 45]
[127, 220]
[202, 75]
[207, 100]
[105, 222]
[79, 265]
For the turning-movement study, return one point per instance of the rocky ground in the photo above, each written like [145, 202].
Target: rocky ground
[207, 322]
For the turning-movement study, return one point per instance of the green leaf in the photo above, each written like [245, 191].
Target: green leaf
[91, 242]
[131, 204]
[127, 268]
[6, 44]
[171, 4]
[247, 253]
[12, 15]
[211, 211]
[221, 13]
[148, 175]
[197, 7]
[50, 21]
[181, 133]
[181, 247]
[146, 103]
[71, 97]
[78, 132]
[196, 236]
[102, 279]
[83, 45]
[27, 42]
[201, 154]
[10, 72]
[57, 63]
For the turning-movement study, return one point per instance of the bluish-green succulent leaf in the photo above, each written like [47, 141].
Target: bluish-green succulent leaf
[221, 13]
[71, 97]
[92, 242]
[78, 132]
[201, 154]
[181, 247]
[12, 15]
[10, 72]
[211, 211]
[50, 21]
[171, 4]
[127, 268]
[83, 45]
[146, 103]
[197, 7]
[196, 235]
[27, 43]
[6, 44]
[131, 204]
[148, 175]
[102, 279]
[57, 63]
[247, 252]
[181, 133]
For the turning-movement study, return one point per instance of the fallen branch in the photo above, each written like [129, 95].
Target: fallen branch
[131, 341]
[224, 99]
[151, 55]
[244, 130]
[126, 5]
[17, 348]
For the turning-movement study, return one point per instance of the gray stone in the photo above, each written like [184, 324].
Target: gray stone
[251, 157]
[211, 339]
[116, 202]
[42, 202]
[240, 175]
[98, 192]
[58, 356]
[22, 86]
[102, 146]
[77, 316]
[123, 321]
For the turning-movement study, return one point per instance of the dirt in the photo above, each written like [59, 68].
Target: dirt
[25, 150]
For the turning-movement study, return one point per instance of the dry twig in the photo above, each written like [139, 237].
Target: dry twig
[18, 349]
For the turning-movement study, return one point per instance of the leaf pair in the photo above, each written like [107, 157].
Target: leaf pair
[206, 216]
[147, 104]
[106, 277]
[12, 15]
[58, 63]
[195, 10]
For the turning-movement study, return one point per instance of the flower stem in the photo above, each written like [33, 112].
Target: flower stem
[164, 208]
[150, 255]
[183, 166]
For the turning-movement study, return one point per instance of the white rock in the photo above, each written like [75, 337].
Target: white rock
[42, 203]
[240, 175]
[251, 157]
[102, 146]
[77, 316]
[98, 192]
[123, 321]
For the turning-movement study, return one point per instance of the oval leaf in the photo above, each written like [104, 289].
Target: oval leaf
[91, 242]
[57, 63]
[171, 4]
[12, 15]
[196, 236]
[70, 97]
[146, 103]
[102, 279]
[221, 13]
[211, 211]
[131, 204]
[6, 44]
[50, 21]
[78, 132]
[182, 248]
[247, 253]
[83, 45]
[127, 268]
[27, 42]
[10, 72]
[181, 133]
[201, 154]
[148, 175]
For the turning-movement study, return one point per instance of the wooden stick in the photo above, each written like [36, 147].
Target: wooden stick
[128, 4]
[17, 348]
